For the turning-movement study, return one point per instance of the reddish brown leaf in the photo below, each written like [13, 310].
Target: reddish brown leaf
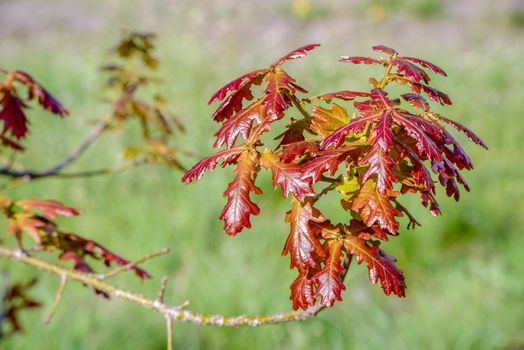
[356, 125]
[239, 90]
[416, 100]
[15, 300]
[302, 293]
[49, 208]
[294, 132]
[375, 208]
[470, 134]
[360, 60]
[298, 53]
[426, 64]
[325, 161]
[325, 122]
[45, 99]
[278, 83]
[345, 95]
[380, 265]
[328, 283]
[239, 206]
[12, 114]
[291, 152]
[287, 175]
[227, 156]
[385, 49]
[378, 159]
[240, 124]
[410, 71]
[76, 248]
[301, 244]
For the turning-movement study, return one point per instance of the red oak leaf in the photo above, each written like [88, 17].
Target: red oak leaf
[227, 156]
[287, 175]
[239, 206]
[240, 124]
[380, 265]
[45, 99]
[302, 293]
[360, 60]
[298, 53]
[385, 49]
[328, 283]
[375, 208]
[12, 114]
[301, 244]
[49, 208]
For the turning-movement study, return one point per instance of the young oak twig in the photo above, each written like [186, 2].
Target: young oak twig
[175, 313]
[58, 298]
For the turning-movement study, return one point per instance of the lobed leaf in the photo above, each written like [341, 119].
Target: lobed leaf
[227, 156]
[302, 293]
[287, 175]
[380, 265]
[239, 206]
[240, 124]
[303, 247]
[324, 121]
[375, 208]
[328, 282]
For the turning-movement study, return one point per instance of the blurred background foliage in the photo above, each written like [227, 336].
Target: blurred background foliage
[464, 270]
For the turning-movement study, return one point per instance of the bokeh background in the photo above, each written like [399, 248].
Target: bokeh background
[464, 270]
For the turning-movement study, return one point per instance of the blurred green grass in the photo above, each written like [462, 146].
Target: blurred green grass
[464, 270]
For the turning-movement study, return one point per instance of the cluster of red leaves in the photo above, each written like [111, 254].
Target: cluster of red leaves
[15, 299]
[12, 106]
[126, 79]
[385, 148]
[35, 218]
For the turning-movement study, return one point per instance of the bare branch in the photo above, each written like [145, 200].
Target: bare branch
[175, 313]
[105, 171]
[70, 158]
[58, 298]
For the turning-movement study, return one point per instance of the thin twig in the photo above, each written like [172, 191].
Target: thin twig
[175, 313]
[169, 326]
[105, 171]
[58, 298]
[127, 266]
[162, 291]
[71, 157]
